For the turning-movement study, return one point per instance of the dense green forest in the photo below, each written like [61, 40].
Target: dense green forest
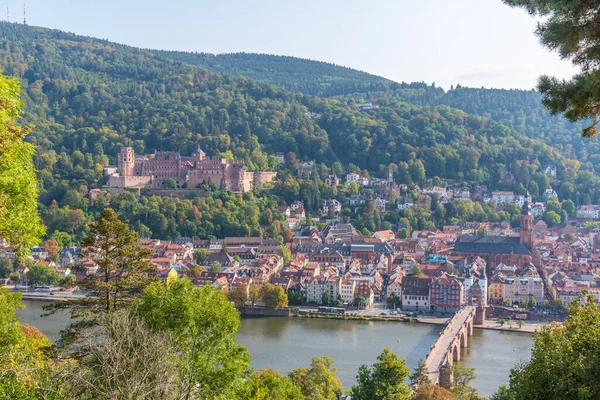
[520, 110]
[88, 97]
[293, 74]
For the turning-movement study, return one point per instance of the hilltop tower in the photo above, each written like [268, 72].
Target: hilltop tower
[126, 161]
[526, 227]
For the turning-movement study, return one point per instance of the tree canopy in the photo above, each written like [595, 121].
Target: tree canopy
[203, 325]
[20, 223]
[571, 28]
[383, 380]
[564, 359]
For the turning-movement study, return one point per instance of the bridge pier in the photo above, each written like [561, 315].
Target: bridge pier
[446, 377]
[479, 315]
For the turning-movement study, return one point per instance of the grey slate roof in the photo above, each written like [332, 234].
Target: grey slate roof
[490, 244]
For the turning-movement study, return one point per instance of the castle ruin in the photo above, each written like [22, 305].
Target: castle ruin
[154, 170]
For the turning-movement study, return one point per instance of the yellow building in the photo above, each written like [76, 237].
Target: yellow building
[496, 289]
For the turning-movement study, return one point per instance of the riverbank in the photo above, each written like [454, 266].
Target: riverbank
[528, 326]
[491, 324]
[47, 297]
[355, 317]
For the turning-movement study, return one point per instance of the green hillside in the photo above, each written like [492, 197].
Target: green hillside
[88, 97]
[521, 110]
[291, 73]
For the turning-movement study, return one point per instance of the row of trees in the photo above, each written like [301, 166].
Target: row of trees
[270, 295]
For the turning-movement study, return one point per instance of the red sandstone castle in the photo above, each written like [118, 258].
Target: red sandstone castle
[156, 169]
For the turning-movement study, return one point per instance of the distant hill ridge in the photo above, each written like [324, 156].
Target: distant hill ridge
[295, 74]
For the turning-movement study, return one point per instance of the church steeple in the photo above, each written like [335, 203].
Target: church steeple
[526, 237]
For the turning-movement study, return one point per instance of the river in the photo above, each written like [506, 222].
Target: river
[288, 343]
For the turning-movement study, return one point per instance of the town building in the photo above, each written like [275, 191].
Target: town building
[415, 293]
[496, 293]
[589, 212]
[331, 207]
[522, 288]
[446, 294]
[368, 106]
[352, 177]
[347, 289]
[395, 287]
[332, 180]
[314, 288]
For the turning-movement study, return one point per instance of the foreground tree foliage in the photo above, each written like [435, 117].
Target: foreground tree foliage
[432, 392]
[463, 377]
[123, 270]
[268, 384]
[25, 368]
[420, 376]
[20, 223]
[384, 380]
[123, 359]
[319, 382]
[572, 28]
[203, 325]
[564, 360]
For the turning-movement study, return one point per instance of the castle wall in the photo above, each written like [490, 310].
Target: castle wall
[198, 176]
[262, 177]
[248, 181]
[129, 181]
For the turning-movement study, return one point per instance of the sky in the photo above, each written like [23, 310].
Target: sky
[469, 42]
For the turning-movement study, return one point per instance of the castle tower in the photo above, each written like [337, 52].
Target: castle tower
[126, 161]
[526, 227]
[198, 155]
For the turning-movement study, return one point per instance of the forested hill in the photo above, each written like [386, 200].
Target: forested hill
[521, 110]
[294, 74]
[89, 97]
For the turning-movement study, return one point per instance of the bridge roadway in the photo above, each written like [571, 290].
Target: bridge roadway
[446, 349]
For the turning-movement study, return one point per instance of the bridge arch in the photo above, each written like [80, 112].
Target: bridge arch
[463, 338]
[456, 352]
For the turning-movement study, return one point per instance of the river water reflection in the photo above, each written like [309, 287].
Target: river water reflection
[285, 344]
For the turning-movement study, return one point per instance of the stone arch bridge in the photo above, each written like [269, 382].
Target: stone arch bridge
[446, 350]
